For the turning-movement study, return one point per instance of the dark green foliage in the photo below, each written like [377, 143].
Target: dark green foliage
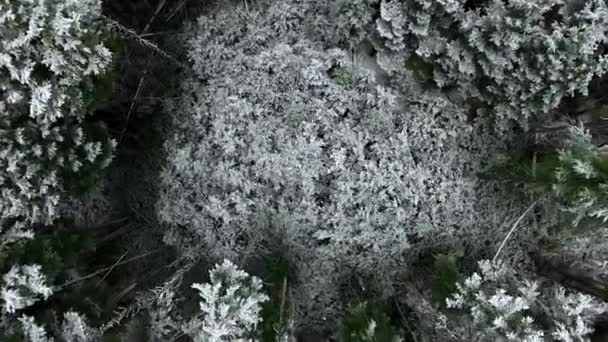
[534, 169]
[93, 299]
[576, 175]
[422, 70]
[572, 181]
[98, 95]
[355, 326]
[275, 311]
[13, 338]
[77, 183]
[65, 253]
[57, 251]
[445, 277]
[342, 75]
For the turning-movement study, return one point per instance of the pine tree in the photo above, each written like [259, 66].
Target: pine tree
[51, 53]
[519, 58]
[498, 304]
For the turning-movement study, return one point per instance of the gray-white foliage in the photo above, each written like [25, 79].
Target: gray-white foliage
[50, 52]
[22, 286]
[520, 57]
[279, 136]
[13, 233]
[501, 305]
[32, 331]
[229, 307]
[73, 329]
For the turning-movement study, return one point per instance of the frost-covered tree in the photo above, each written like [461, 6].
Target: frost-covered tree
[580, 178]
[32, 331]
[281, 136]
[573, 175]
[23, 286]
[355, 18]
[229, 308]
[498, 304]
[275, 139]
[14, 233]
[518, 57]
[51, 52]
[73, 329]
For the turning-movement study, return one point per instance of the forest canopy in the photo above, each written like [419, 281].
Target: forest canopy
[295, 171]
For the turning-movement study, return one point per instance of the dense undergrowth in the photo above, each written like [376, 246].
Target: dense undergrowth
[349, 170]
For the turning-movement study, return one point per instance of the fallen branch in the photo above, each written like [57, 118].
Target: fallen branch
[142, 41]
[112, 268]
[504, 242]
[105, 269]
[124, 130]
[583, 275]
